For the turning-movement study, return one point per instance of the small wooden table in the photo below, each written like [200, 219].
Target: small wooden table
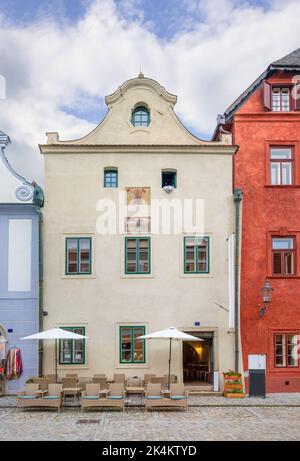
[41, 392]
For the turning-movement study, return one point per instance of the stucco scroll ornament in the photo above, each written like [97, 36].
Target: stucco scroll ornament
[24, 193]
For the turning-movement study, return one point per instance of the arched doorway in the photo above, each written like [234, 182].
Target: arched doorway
[3, 351]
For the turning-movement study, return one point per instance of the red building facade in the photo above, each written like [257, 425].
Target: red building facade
[265, 123]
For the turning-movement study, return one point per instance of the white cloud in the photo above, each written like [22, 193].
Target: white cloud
[50, 67]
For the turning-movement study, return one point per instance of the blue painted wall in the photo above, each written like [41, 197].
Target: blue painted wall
[19, 311]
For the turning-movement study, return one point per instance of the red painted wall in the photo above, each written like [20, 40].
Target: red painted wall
[267, 210]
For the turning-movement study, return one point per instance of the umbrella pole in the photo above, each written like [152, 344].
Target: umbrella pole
[56, 360]
[170, 353]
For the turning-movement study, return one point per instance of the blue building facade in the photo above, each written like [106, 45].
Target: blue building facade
[19, 269]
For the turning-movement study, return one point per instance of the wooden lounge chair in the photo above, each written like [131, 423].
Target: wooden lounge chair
[53, 397]
[119, 378]
[99, 375]
[115, 397]
[43, 382]
[28, 397]
[71, 375]
[52, 378]
[158, 380]
[70, 387]
[147, 378]
[178, 397]
[69, 382]
[134, 386]
[153, 395]
[173, 379]
[91, 396]
[100, 380]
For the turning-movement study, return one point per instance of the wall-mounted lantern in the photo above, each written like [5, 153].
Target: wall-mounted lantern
[266, 294]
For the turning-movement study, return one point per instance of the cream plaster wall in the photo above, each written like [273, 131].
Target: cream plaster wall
[106, 299]
[74, 184]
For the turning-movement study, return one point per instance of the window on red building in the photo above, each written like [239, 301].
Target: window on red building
[281, 99]
[283, 255]
[286, 350]
[281, 163]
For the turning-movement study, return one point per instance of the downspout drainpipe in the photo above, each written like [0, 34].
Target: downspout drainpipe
[238, 196]
[41, 292]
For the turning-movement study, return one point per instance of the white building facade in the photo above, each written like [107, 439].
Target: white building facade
[116, 276]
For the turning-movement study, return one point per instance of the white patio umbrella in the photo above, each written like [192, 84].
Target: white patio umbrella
[55, 333]
[171, 334]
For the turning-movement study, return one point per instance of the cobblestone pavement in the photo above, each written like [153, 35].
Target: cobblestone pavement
[199, 423]
[207, 422]
[288, 399]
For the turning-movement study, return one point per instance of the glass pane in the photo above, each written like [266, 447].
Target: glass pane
[275, 173]
[285, 99]
[140, 117]
[126, 355]
[143, 256]
[131, 255]
[190, 255]
[280, 360]
[288, 263]
[78, 351]
[280, 153]
[110, 178]
[282, 243]
[286, 173]
[293, 349]
[84, 249]
[138, 352]
[168, 179]
[66, 351]
[72, 255]
[276, 99]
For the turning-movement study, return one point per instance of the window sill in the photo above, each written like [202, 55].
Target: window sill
[284, 277]
[197, 276]
[123, 366]
[79, 277]
[137, 276]
[282, 186]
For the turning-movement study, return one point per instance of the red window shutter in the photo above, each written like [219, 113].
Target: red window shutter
[296, 96]
[267, 88]
[277, 267]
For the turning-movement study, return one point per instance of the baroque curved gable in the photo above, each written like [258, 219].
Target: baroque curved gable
[165, 128]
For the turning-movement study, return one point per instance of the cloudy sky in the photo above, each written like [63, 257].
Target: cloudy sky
[61, 57]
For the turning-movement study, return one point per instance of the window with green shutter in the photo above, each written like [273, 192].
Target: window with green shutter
[78, 256]
[132, 350]
[72, 351]
[196, 255]
[137, 255]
